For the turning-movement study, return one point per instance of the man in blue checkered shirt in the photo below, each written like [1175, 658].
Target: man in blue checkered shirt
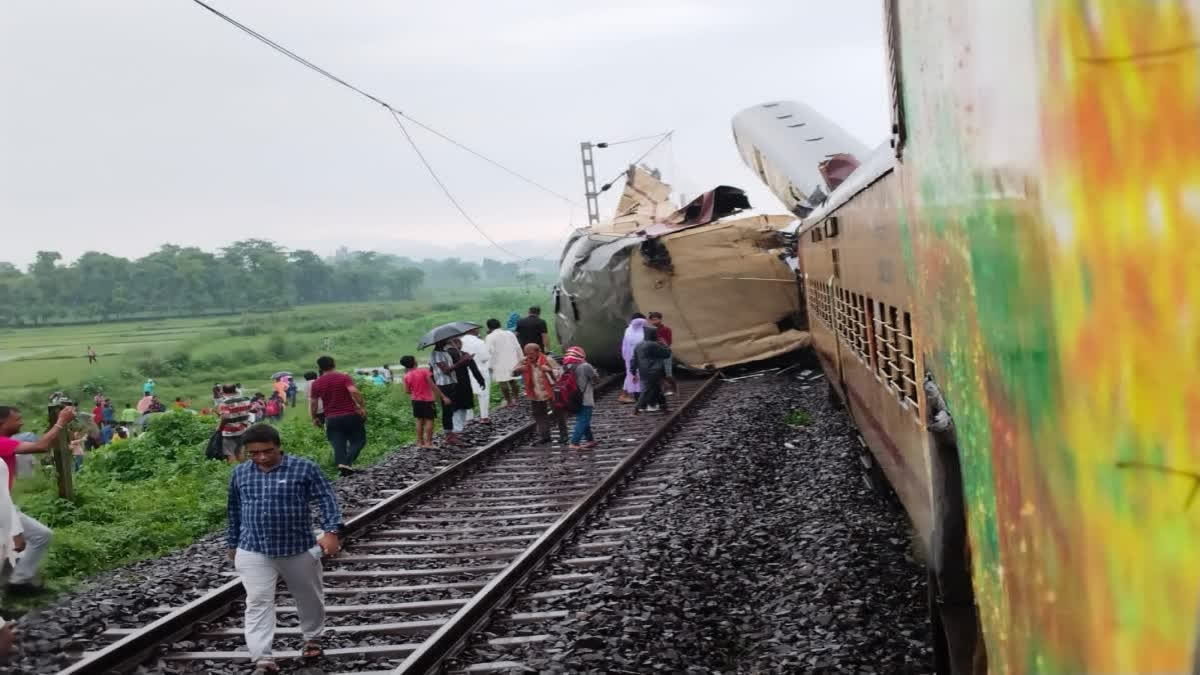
[270, 536]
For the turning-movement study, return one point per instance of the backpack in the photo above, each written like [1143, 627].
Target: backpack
[272, 408]
[567, 395]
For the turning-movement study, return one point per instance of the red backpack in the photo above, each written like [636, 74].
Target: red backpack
[273, 408]
[566, 392]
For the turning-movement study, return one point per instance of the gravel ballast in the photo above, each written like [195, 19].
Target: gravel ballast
[768, 556]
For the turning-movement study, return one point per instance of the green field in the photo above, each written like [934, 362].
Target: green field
[187, 356]
[152, 494]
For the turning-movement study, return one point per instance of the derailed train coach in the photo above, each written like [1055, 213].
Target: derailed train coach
[1006, 297]
[716, 271]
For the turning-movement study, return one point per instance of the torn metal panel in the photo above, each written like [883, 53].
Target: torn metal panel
[726, 293]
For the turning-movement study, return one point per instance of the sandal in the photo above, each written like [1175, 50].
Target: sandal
[312, 650]
[266, 667]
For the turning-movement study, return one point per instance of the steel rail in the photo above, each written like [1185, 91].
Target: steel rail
[453, 634]
[129, 651]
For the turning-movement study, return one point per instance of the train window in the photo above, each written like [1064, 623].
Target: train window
[557, 299]
[574, 308]
[837, 273]
[894, 369]
[883, 343]
[908, 361]
[831, 227]
[863, 342]
[891, 21]
[816, 235]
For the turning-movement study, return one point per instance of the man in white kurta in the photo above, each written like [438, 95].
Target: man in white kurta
[477, 348]
[504, 352]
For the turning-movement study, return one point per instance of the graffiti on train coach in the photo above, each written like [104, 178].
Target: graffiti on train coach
[1054, 231]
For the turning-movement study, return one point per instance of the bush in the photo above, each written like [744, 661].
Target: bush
[445, 307]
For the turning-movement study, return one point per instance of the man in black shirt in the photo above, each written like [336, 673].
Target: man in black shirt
[532, 330]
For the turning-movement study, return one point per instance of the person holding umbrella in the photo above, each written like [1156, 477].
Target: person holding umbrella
[444, 366]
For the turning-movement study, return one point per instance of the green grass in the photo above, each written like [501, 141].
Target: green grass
[798, 418]
[156, 493]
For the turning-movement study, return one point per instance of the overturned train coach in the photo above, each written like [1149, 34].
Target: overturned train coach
[1006, 298]
[716, 272]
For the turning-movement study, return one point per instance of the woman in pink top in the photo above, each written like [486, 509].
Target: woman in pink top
[418, 382]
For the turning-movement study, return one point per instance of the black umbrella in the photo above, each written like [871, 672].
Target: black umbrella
[445, 332]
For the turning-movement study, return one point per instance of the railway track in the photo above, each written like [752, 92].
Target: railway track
[425, 567]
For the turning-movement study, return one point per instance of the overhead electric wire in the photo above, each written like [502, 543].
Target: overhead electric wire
[661, 139]
[446, 190]
[609, 144]
[396, 114]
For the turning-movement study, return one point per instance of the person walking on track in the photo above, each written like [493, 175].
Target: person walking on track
[634, 334]
[270, 536]
[504, 354]
[539, 372]
[478, 349]
[575, 361]
[345, 413]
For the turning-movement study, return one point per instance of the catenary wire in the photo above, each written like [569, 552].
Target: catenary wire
[445, 190]
[375, 99]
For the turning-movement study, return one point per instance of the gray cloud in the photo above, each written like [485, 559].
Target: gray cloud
[131, 123]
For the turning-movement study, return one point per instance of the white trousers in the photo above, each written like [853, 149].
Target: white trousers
[459, 420]
[37, 543]
[301, 574]
[484, 397]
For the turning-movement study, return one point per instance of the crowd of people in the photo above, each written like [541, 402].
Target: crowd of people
[516, 357]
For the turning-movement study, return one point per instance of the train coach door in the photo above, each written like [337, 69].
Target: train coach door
[839, 319]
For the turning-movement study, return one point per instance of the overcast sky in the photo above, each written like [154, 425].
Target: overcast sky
[127, 124]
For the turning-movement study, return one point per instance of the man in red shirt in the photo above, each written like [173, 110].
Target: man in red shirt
[32, 536]
[664, 336]
[345, 413]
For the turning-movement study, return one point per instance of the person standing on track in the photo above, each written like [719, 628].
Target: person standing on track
[270, 536]
[478, 349]
[418, 382]
[539, 372]
[532, 330]
[29, 535]
[649, 363]
[634, 334]
[575, 360]
[666, 337]
[444, 367]
[467, 374]
[504, 354]
[345, 413]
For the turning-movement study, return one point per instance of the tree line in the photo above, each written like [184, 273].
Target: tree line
[246, 275]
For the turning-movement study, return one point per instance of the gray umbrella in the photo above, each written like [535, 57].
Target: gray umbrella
[445, 332]
[282, 373]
